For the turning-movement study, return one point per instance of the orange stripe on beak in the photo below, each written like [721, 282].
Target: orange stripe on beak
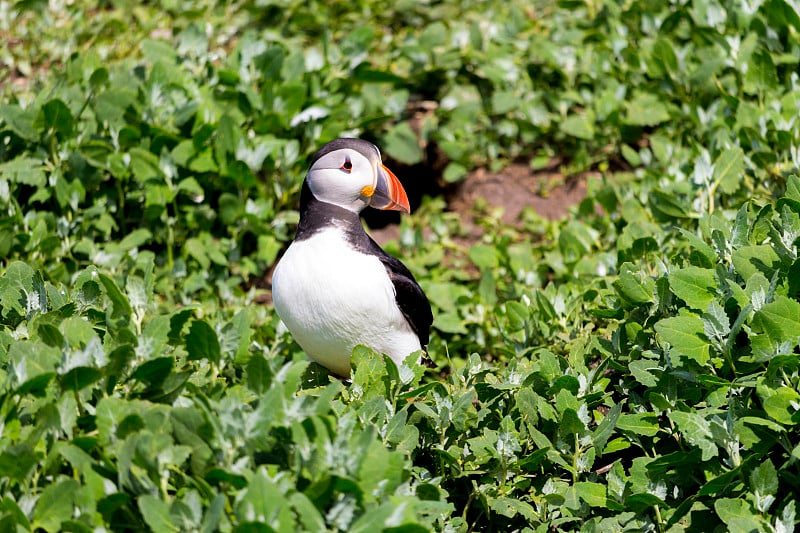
[389, 192]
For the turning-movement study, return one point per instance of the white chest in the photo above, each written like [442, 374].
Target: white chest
[332, 297]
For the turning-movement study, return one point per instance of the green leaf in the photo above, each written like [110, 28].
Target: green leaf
[641, 371]
[684, 334]
[21, 121]
[154, 371]
[764, 484]
[510, 507]
[264, 501]
[694, 285]
[780, 319]
[606, 428]
[579, 125]
[55, 505]
[728, 170]
[716, 324]
[156, 514]
[57, 117]
[401, 143]
[782, 405]
[25, 170]
[454, 172]
[697, 431]
[518, 315]
[785, 523]
[17, 290]
[639, 423]
[17, 461]
[121, 306]
[634, 286]
[756, 258]
[669, 205]
[594, 494]
[646, 109]
[793, 187]
[483, 256]
[202, 342]
[32, 365]
[737, 515]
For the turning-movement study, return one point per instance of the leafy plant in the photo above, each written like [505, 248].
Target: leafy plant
[632, 367]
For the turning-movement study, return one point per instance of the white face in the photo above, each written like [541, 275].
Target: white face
[343, 177]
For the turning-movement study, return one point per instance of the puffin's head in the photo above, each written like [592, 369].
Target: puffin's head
[349, 173]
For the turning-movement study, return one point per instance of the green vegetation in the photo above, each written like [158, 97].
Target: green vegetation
[632, 367]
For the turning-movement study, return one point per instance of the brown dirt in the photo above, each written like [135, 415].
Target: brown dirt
[547, 192]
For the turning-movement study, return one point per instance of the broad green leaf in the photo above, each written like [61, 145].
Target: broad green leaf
[793, 187]
[454, 172]
[265, 502]
[697, 431]
[737, 514]
[154, 371]
[144, 165]
[646, 109]
[670, 205]
[664, 54]
[32, 365]
[764, 484]
[511, 507]
[699, 249]
[202, 342]
[17, 292]
[783, 405]
[308, 514]
[55, 504]
[449, 323]
[25, 170]
[606, 428]
[401, 143]
[57, 117]
[594, 494]
[639, 423]
[579, 126]
[729, 169]
[785, 523]
[121, 305]
[716, 324]
[749, 260]
[21, 121]
[156, 513]
[695, 286]
[18, 460]
[634, 286]
[641, 371]
[155, 51]
[684, 334]
[780, 319]
[483, 256]
[518, 315]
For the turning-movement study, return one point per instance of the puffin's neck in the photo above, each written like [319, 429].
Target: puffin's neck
[316, 215]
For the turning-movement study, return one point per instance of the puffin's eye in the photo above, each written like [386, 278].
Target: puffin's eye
[347, 166]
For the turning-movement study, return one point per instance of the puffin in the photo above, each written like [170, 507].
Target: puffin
[335, 287]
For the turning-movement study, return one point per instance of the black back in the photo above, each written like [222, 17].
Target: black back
[316, 215]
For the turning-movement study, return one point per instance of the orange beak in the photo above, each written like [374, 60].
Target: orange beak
[389, 192]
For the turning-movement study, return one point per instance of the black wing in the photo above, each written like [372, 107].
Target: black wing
[409, 296]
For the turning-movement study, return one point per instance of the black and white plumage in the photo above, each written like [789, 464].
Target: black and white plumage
[335, 287]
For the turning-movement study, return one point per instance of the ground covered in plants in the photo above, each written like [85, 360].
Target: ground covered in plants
[632, 365]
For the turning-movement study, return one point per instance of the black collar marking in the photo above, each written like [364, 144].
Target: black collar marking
[316, 216]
